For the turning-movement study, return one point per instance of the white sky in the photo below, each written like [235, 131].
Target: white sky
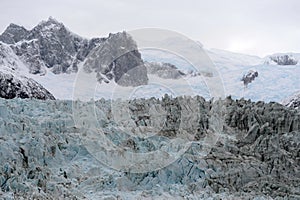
[257, 27]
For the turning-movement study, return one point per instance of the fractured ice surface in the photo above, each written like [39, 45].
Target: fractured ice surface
[256, 154]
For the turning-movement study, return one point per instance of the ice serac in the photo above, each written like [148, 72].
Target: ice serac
[118, 59]
[256, 156]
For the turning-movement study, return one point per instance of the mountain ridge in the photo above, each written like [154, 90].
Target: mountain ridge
[50, 45]
[52, 54]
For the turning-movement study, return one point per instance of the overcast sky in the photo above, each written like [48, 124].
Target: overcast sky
[257, 27]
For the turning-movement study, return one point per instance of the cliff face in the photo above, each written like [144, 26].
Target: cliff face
[255, 153]
[13, 33]
[118, 59]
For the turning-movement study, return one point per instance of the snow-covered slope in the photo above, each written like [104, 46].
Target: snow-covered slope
[9, 61]
[13, 80]
[232, 60]
[274, 82]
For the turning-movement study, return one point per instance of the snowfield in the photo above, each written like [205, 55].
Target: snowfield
[274, 82]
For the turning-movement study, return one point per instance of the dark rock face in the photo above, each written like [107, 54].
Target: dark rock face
[284, 60]
[293, 102]
[249, 77]
[13, 33]
[118, 58]
[129, 70]
[12, 86]
[164, 70]
[29, 53]
[50, 44]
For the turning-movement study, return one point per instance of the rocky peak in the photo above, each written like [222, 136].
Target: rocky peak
[118, 58]
[48, 28]
[13, 33]
[50, 22]
[51, 45]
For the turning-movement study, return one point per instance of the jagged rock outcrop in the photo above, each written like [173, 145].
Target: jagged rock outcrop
[249, 77]
[51, 45]
[293, 101]
[118, 59]
[164, 70]
[282, 60]
[256, 155]
[12, 86]
[13, 34]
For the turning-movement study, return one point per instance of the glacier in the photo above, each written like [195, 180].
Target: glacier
[46, 154]
[154, 133]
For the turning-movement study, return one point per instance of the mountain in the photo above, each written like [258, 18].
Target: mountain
[13, 34]
[117, 58]
[48, 45]
[232, 60]
[51, 54]
[51, 49]
[274, 82]
[193, 147]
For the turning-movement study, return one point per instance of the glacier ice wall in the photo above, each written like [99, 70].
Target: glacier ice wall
[43, 155]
